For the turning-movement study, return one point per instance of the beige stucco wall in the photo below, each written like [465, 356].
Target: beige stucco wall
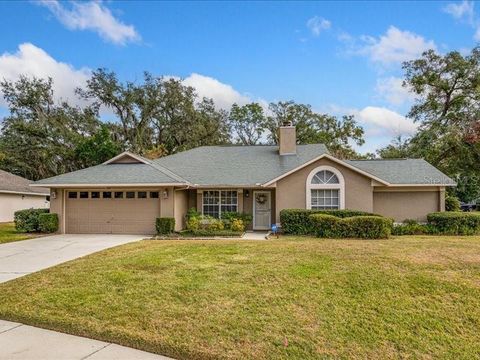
[291, 190]
[180, 208]
[56, 207]
[9, 203]
[167, 205]
[408, 203]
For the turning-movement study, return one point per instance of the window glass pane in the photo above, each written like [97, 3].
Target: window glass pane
[333, 179]
[142, 194]
[229, 200]
[83, 194]
[118, 194]
[72, 194]
[324, 199]
[154, 194]
[130, 194]
[325, 177]
[107, 194]
[211, 202]
[95, 194]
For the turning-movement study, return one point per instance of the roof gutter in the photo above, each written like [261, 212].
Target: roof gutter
[106, 185]
[24, 192]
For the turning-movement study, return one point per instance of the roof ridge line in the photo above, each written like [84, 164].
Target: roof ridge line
[166, 171]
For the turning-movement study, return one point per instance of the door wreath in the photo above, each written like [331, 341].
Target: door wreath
[261, 199]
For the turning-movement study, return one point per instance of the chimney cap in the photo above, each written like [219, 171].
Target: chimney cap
[287, 123]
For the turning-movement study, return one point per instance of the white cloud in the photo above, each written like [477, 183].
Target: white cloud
[395, 46]
[382, 121]
[464, 10]
[317, 24]
[31, 60]
[380, 124]
[224, 95]
[392, 90]
[93, 16]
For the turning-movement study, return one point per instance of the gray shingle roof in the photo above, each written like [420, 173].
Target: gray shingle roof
[242, 166]
[403, 171]
[14, 183]
[237, 165]
[113, 174]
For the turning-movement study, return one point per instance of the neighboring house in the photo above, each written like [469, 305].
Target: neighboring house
[16, 194]
[127, 193]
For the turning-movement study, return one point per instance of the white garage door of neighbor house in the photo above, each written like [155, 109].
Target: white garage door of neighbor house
[111, 212]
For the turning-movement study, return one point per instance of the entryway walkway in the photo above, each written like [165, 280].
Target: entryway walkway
[21, 258]
[18, 341]
[255, 235]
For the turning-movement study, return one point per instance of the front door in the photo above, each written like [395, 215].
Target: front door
[262, 210]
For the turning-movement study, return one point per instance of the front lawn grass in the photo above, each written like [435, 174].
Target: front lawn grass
[407, 297]
[9, 234]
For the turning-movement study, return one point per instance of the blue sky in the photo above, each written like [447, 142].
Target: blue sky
[340, 57]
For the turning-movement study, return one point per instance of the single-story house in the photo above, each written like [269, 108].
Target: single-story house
[126, 193]
[16, 194]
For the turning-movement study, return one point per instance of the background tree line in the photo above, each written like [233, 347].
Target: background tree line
[159, 116]
[447, 109]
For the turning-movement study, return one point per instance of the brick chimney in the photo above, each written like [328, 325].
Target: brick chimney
[287, 139]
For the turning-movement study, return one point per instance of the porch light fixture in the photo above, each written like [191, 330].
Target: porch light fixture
[247, 193]
[165, 194]
[53, 194]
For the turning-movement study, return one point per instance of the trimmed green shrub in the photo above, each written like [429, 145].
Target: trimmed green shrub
[165, 225]
[452, 203]
[27, 220]
[364, 227]
[48, 223]
[324, 225]
[297, 221]
[455, 223]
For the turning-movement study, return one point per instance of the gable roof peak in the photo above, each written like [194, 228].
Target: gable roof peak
[131, 158]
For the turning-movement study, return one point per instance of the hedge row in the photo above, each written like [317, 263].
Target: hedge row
[363, 227]
[298, 221]
[454, 223]
[359, 224]
[28, 220]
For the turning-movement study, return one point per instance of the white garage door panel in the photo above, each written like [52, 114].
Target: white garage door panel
[111, 216]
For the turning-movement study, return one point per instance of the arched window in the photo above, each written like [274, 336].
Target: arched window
[325, 189]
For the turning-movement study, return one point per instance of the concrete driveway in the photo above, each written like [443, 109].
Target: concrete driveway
[24, 257]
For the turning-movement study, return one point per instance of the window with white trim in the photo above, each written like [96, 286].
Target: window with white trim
[325, 189]
[216, 202]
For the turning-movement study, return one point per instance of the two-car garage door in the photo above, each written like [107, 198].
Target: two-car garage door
[111, 212]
